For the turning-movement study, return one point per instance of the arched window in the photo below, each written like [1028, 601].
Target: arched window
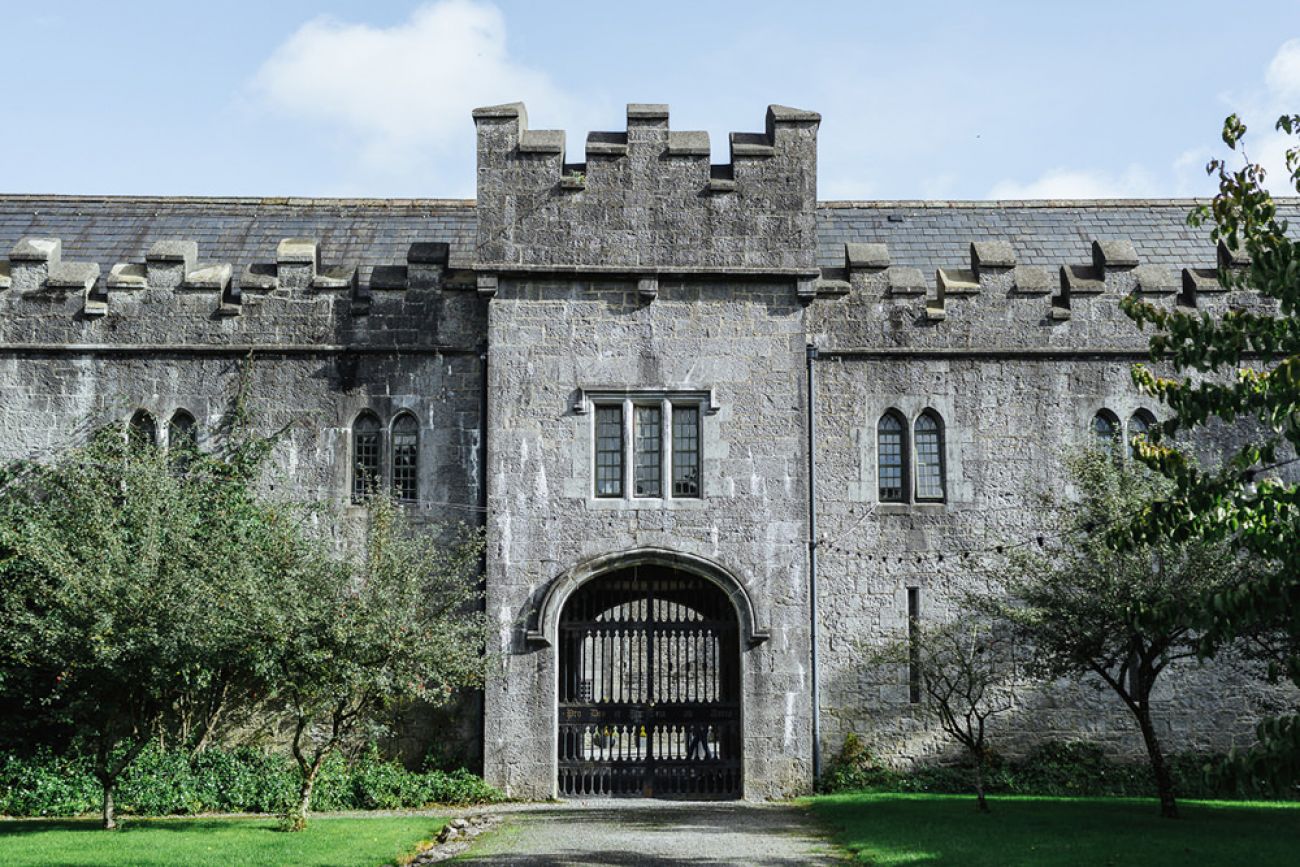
[1141, 423]
[365, 455]
[182, 431]
[406, 458]
[891, 457]
[1105, 430]
[142, 430]
[929, 456]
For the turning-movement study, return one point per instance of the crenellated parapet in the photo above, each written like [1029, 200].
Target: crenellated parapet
[35, 269]
[993, 286]
[647, 201]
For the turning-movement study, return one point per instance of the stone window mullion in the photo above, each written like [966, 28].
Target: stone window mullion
[629, 448]
[666, 449]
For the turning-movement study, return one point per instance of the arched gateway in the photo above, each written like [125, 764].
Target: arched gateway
[649, 687]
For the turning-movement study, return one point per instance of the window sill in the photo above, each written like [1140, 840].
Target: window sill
[627, 504]
[911, 508]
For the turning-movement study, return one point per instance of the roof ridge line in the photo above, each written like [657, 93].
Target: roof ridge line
[262, 201]
[879, 204]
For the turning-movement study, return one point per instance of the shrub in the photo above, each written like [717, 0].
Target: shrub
[243, 780]
[1070, 768]
[47, 785]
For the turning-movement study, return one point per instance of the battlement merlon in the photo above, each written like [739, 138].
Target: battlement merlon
[646, 201]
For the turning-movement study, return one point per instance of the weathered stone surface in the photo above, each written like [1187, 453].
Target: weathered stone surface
[73, 275]
[36, 250]
[744, 269]
[125, 275]
[648, 202]
[870, 255]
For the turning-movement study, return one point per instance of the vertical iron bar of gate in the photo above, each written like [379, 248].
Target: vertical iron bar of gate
[648, 717]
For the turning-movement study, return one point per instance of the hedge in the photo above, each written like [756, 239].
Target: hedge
[1066, 768]
[169, 782]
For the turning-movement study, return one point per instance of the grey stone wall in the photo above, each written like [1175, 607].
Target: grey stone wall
[312, 363]
[1017, 382]
[741, 341]
[643, 269]
[647, 200]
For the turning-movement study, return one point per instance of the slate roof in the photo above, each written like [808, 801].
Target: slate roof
[929, 235]
[374, 232]
[367, 232]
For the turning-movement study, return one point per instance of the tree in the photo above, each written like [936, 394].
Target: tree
[967, 671]
[1122, 616]
[127, 579]
[1239, 365]
[354, 637]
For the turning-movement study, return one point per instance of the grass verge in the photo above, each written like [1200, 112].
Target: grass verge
[213, 842]
[923, 829]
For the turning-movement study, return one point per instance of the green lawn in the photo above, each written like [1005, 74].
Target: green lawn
[332, 841]
[912, 829]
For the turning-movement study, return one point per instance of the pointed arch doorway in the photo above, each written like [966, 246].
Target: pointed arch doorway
[649, 687]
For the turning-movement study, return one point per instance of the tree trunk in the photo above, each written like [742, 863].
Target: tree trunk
[981, 803]
[110, 815]
[297, 819]
[1164, 781]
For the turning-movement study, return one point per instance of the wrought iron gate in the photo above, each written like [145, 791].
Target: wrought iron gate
[649, 698]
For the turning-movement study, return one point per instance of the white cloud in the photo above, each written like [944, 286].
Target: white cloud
[1283, 76]
[402, 95]
[1186, 172]
[1062, 183]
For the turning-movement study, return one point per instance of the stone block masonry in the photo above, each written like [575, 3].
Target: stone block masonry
[643, 273]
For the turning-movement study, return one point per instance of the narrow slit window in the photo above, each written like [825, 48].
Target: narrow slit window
[929, 457]
[648, 455]
[891, 459]
[365, 456]
[609, 451]
[914, 645]
[686, 451]
[406, 458]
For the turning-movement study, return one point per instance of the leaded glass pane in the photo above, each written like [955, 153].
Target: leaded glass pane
[365, 456]
[929, 458]
[648, 455]
[889, 445]
[609, 451]
[686, 451]
[406, 455]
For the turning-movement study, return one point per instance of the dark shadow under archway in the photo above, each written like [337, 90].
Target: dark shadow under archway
[649, 688]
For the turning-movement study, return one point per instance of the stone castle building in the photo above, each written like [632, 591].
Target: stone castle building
[653, 379]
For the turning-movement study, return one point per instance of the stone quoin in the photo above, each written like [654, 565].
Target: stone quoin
[607, 362]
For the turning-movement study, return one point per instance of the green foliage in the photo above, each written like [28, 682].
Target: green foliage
[1243, 364]
[1057, 768]
[131, 586]
[359, 636]
[909, 829]
[216, 842]
[1114, 617]
[147, 594]
[967, 671]
[854, 768]
[172, 782]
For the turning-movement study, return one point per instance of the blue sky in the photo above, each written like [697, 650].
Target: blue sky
[919, 100]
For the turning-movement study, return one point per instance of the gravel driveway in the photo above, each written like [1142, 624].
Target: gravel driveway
[653, 832]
